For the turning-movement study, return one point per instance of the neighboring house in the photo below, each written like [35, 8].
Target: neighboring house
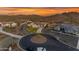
[33, 25]
[14, 24]
[8, 24]
[1, 24]
[68, 28]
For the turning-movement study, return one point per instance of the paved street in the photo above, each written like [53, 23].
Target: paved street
[67, 39]
[7, 41]
[10, 34]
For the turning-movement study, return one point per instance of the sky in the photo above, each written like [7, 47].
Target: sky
[36, 11]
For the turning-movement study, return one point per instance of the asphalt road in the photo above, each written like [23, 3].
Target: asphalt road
[65, 38]
[52, 44]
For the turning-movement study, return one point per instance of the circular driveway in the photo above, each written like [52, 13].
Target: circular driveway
[51, 43]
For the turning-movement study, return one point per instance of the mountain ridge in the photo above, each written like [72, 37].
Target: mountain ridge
[64, 17]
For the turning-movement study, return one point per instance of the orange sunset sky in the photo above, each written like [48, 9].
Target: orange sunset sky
[37, 11]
